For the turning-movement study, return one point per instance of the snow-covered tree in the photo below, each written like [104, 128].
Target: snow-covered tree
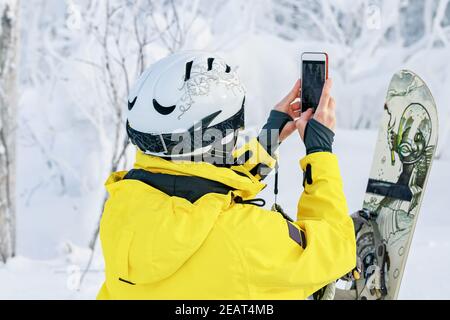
[8, 103]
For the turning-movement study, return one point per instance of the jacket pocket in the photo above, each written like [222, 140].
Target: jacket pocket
[122, 256]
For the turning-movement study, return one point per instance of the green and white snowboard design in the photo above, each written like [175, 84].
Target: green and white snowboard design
[401, 165]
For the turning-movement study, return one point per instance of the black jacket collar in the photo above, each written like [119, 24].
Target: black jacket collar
[190, 188]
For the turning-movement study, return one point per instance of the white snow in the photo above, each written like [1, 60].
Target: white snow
[58, 278]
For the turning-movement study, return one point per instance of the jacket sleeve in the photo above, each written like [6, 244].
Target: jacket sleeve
[303, 256]
[323, 215]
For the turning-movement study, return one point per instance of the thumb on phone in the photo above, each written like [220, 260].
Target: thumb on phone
[302, 121]
[326, 95]
[325, 112]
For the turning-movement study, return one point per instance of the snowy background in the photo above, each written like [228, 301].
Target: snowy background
[78, 59]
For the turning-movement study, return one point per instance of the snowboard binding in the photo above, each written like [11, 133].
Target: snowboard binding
[369, 277]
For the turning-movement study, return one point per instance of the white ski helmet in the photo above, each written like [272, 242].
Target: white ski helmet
[185, 95]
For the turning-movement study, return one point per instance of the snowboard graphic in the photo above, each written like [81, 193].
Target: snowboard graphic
[401, 165]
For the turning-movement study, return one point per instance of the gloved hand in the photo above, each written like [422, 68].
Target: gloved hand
[325, 112]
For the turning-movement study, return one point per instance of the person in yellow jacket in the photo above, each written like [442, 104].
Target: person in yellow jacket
[185, 223]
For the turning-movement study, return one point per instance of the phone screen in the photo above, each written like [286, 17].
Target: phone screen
[313, 79]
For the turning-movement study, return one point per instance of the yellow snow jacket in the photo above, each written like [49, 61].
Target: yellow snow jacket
[212, 244]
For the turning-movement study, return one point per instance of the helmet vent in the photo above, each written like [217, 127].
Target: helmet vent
[131, 104]
[161, 109]
[188, 70]
[210, 63]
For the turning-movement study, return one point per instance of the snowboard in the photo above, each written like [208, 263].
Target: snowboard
[401, 165]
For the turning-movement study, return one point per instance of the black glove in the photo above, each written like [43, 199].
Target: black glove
[317, 137]
[275, 123]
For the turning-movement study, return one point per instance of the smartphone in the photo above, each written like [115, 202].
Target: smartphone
[314, 73]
